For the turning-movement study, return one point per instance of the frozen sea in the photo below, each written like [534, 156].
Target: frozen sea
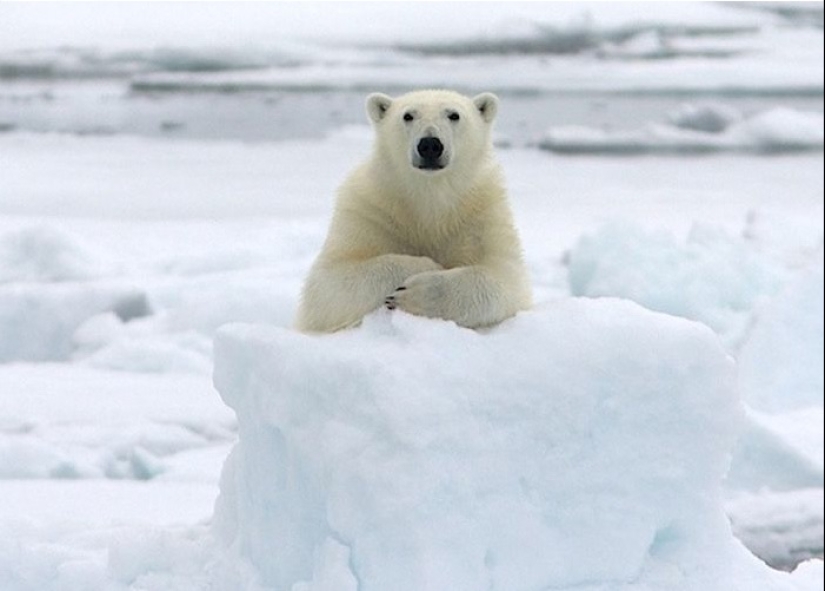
[167, 169]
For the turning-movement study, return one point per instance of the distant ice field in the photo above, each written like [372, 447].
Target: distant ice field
[270, 72]
[107, 108]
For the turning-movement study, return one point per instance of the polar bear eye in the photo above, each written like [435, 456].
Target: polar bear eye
[408, 117]
[453, 116]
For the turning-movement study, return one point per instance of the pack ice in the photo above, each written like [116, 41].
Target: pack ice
[581, 445]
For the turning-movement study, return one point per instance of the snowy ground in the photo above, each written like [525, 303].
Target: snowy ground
[125, 243]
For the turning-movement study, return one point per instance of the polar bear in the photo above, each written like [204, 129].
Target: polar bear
[424, 224]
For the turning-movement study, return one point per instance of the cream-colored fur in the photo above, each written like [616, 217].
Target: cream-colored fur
[432, 235]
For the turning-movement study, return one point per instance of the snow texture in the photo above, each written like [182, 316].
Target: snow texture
[581, 445]
[710, 276]
[781, 362]
[783, 528]
[41, 319]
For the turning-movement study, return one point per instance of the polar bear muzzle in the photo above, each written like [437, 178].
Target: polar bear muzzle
[429, 154]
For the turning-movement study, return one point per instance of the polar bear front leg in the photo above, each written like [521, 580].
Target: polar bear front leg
[473, 297]
[339, 293]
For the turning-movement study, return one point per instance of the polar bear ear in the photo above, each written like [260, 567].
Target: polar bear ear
[377, 106]
[487, 105]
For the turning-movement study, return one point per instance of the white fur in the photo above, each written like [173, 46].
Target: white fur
[438, 243]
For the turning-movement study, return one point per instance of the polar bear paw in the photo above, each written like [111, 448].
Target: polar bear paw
[424, 294]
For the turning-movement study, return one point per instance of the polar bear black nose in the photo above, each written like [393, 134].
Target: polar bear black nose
[430, 148]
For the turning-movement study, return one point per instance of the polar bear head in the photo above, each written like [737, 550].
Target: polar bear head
[432, 132]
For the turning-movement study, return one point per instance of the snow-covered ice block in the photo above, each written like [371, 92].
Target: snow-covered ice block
[781, 362]
[45, 253]
[580, 445]
[696, 130]
[711, 276]
[778, 452]
[38, 321]
[783, 528]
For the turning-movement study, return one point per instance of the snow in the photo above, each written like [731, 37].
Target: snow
[709, 117]
[770, 317]
[93, 426]
[40, 321]
[779, 365]
[413, 454]
[145, 24]
[107, 397]
[766, 526]
[712, 277]
[721, 49]
[140, 212]
[99, 184]
[771, 457]
[699, 128]
[45, 254]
